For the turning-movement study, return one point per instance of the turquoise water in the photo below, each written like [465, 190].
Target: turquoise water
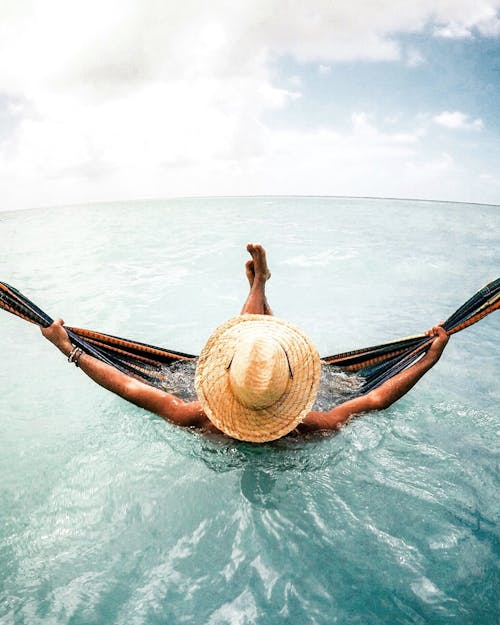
[110, 515]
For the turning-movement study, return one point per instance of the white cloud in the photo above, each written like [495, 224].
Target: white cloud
[466, 18]
[458, 121]
[80, 46]
[132, 99]
[247, 159]
[414, 57]
[453, 30]
[372, 161]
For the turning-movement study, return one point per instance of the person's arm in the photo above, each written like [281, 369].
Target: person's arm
[167, 406]
[383, 396]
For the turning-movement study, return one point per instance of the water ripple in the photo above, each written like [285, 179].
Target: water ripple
[111, 515]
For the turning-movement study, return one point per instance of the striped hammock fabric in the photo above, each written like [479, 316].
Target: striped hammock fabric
[145, 362]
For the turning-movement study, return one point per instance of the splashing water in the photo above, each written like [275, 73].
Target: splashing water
[336, 386]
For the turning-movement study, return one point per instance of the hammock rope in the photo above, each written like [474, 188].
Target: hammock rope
[379, 363]
[145, 362]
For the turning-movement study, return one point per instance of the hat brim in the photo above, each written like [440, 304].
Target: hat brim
[214, 390]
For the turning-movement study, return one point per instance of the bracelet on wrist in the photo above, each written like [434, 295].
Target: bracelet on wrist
[72, 353]
[75, 355]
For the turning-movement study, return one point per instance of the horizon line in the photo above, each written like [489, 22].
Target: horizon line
[259, 195]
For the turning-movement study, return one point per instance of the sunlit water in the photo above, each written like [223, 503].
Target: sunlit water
[110, 515]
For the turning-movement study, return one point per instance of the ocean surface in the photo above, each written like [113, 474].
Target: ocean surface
[109, 515]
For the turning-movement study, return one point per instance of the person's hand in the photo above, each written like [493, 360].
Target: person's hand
[57, 335]
[441, 338]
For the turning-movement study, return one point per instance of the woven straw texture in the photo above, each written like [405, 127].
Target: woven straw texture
[213, 384]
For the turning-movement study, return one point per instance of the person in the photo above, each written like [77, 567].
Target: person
[257, 377]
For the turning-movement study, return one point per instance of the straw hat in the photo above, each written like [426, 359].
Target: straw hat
[257, 377]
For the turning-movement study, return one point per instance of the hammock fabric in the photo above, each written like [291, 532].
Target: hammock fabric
[145, 362]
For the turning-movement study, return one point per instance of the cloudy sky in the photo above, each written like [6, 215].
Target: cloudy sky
[129, 99]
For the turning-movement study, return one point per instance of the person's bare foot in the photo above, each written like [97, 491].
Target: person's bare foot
[260, 268]
[250, 272]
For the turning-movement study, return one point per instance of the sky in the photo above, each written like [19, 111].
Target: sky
[108, 100]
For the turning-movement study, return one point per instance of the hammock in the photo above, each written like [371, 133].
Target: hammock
[146, 362]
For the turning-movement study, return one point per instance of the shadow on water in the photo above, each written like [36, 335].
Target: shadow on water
[260, 463]
[257, 487]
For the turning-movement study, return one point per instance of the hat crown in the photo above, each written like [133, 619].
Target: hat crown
[257, 377]
[259, 371]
